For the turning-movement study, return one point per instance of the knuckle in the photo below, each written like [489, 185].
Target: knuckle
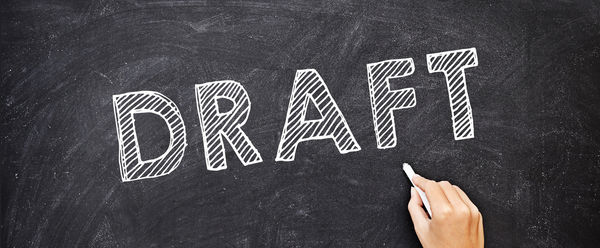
[463, 212]
[458, 189]
[429, 184]
[476, 215]
[445, 184]
[475, 210]
[446, 212]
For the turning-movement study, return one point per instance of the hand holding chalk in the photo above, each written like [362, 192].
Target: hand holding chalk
[410, 173]
[455, 221]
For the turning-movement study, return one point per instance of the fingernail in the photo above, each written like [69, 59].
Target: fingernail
[412, 191]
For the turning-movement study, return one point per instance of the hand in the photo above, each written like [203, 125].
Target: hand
[456, 221]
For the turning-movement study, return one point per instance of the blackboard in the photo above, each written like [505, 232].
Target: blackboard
[532, 165]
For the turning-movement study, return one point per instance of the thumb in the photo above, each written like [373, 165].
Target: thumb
[415, 208]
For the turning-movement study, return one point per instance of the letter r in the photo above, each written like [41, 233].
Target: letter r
[216, 125]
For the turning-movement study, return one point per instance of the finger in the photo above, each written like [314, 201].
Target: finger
[475, 215]
[435, 194]
[474, 210]
[451, 194]
[415, 208]
[480, 231]
[464, 196]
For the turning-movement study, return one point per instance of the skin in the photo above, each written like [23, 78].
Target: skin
[456, 221]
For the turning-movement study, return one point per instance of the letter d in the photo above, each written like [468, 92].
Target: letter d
[130, 161]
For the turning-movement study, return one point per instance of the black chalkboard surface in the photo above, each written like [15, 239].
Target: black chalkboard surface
[526, 149]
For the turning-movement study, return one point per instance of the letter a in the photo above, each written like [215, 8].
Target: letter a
[384, 100]
[309, 87]
[453, 64]
[132, 166]
[216, 125]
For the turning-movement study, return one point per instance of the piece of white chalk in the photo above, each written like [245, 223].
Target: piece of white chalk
[410, 173]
